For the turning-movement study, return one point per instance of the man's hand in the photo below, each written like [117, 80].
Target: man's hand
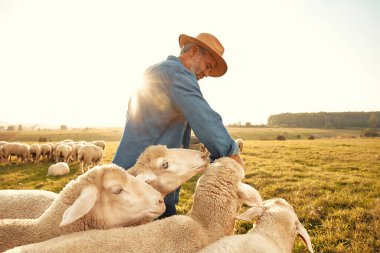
[238, 158]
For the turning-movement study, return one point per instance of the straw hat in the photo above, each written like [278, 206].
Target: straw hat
[212, 45]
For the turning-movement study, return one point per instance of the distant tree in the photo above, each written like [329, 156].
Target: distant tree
[372, 121]
[63, 127]
[248, 124]
[19, 127]
[11, 128]
[2, 128]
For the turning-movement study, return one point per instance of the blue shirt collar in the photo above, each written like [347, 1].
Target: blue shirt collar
[175, 58]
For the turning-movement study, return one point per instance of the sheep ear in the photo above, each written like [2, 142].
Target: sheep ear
[304, 236]
[251, 213]
[147, 177]
[81, 205]
[249, 195]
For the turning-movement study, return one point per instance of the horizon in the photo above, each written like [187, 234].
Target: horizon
[77, 62]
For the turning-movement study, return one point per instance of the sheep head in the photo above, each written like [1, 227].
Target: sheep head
[283, 211]
[166, 169]
[112, 198]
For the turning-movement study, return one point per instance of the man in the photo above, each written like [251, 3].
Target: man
[170, 100]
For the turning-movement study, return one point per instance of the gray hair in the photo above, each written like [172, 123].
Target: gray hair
[187, 47]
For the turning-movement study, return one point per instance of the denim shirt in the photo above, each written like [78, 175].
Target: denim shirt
[160, 109]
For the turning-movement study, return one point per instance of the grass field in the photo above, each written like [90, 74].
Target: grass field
[333, 184]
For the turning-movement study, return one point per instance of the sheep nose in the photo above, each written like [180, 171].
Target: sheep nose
[160, 200]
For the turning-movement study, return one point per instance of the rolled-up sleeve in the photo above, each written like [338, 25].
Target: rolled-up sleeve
[205, 122]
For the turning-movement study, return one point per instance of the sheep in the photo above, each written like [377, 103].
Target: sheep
[20, 150]
[165, 169]
[63, 151]
[24, 204]
[104, 197]
[58, 169]
[3, 142]
[274, 231]
[101, 144]
[217, 199]
[240, 144]
[35, 152]
[181, 165]
[89, 154]
[1, 154]
[46, 151]
[76, 148]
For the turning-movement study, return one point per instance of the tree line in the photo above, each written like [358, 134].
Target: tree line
[326, 120]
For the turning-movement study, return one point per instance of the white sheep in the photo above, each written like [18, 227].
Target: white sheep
[24, 204]
[76, 149]
[164, 169]
[46, 151]
[58, 169]
[1, 150]
[35, 152]
[63, 151]
[217, 199]
[274, 232]
[21, 150]
[89, 154]
[104, 197]
[101, 144]
[240, 144]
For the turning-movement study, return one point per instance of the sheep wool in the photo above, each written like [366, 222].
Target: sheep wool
[216, 203]
[274, 232]
[58, 169]
[14, 232]
[24, 204]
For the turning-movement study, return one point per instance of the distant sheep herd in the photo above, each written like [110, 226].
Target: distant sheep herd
[63, 152]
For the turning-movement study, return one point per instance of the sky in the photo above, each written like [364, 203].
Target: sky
[76, 62]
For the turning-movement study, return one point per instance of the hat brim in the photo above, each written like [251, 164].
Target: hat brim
[221, 65]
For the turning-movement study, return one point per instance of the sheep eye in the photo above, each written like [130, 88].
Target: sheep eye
[117, 190]
[165, 165]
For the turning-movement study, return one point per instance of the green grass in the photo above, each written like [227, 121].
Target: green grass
[333, 184]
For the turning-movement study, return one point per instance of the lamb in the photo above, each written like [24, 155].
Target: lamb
[22, 203]
[217, 199]
[89, 154]
[35, 152]
[58, 169]
[274, 231]
[164, 169]
[104, 197]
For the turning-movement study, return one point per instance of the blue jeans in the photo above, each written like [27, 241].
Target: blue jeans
[171, 200]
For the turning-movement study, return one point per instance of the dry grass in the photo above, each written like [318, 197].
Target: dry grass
[332, 184]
